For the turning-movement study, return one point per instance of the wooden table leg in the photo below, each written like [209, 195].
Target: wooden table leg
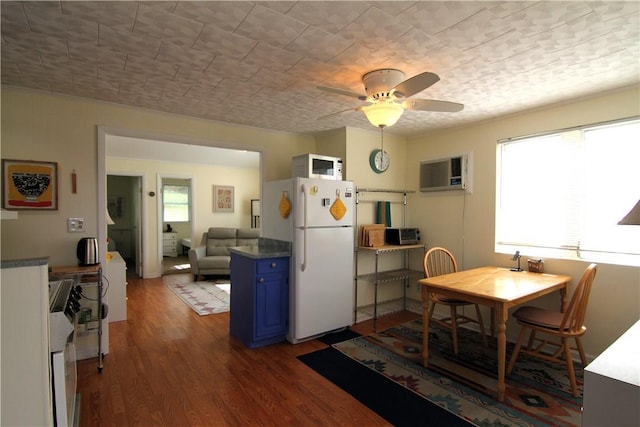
[493, 322]
[425, 326]
[501, 314]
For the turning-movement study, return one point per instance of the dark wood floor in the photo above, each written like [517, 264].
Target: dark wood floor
[167, 366]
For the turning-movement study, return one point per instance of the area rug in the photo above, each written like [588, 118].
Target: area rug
[339, 336]
[204, 297]
[538, 393]
[393, 402]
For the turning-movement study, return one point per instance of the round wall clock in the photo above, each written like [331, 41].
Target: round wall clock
[379, 160]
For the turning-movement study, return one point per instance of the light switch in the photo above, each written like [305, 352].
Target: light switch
[75, 225]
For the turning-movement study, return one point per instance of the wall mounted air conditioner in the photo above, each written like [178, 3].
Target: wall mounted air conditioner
[444, 174]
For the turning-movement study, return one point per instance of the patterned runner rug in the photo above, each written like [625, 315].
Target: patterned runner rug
[538, 393]
[204, 297]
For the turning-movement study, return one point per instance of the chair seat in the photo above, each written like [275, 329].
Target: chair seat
[539, 317]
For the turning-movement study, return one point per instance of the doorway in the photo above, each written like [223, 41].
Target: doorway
[176, 225]
[124, 207]
[151, 155]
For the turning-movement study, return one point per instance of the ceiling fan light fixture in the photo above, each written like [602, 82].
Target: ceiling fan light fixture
[383, 114]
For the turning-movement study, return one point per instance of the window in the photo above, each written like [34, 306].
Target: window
[561, 195]
[175, 203]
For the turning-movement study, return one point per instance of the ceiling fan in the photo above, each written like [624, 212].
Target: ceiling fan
[387, 93]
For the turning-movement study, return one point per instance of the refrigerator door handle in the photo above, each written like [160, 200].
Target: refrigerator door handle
[303, 265]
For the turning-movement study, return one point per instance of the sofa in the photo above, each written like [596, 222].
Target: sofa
[212, 256]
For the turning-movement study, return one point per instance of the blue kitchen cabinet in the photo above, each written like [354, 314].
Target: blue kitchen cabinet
[259, 308]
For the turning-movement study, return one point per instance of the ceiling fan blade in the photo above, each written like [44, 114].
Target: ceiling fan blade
[338, 112]
[416, 84]
[343, 92]
[432, 105]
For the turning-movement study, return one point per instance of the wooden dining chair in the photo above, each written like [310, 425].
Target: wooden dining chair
[438, 261]
[556, 324]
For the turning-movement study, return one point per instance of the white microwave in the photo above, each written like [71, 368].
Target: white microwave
[316, 166]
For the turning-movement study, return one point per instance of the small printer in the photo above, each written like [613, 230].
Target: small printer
[401, 236]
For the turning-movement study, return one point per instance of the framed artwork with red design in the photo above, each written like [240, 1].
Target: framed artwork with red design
[29, 185]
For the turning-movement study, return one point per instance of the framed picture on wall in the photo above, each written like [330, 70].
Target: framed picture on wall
[29, 184]
[223, 198]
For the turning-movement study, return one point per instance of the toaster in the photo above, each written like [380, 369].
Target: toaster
[401, 236]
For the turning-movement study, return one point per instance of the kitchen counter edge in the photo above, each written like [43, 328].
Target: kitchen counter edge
[267, 248]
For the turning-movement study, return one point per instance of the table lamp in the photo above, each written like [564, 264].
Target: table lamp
[517, 257]
[633, 217]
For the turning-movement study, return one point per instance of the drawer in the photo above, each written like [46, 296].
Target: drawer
[169, 247]
[169, 252]
[170, 237]
[272, 265]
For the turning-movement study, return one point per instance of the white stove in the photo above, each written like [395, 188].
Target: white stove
[63, 309]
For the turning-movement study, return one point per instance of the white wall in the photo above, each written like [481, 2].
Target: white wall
[61, 129]
[359, 145]
[615, 300]
[39, 126]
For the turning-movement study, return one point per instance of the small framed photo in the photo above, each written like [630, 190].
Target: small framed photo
[29, 185]
[223, 198]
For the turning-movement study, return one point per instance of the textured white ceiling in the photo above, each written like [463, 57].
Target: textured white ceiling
[259, 63]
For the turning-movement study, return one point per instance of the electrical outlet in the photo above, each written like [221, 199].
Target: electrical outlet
[75, 225]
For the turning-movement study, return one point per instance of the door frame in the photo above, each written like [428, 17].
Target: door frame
[104, 131]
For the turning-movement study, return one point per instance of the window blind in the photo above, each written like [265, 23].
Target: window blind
[562, 194]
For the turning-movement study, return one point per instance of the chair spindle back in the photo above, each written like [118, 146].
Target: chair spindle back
[573, 319]
[438, 261]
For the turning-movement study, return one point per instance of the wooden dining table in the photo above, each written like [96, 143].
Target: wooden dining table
[494, 287]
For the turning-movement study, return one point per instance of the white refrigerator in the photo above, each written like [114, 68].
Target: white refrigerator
[316, 216]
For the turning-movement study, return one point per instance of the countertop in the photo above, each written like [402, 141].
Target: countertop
[267, 248]
[620, 361]
[28, 262]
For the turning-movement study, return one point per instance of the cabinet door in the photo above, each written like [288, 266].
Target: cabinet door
[115, 271]
[25, 380]
[271, 299]
[241, 318]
